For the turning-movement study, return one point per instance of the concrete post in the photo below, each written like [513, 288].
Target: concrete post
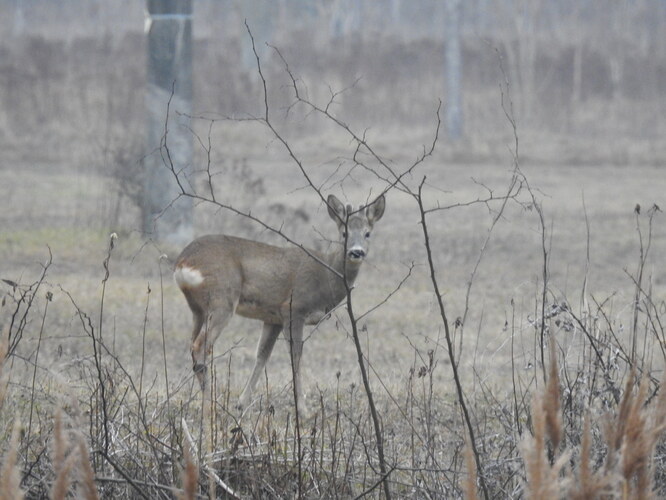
[166, 216]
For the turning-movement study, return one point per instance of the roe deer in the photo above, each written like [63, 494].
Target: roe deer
[286, 288]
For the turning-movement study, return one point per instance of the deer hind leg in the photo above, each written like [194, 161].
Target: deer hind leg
[198, 317]
[204, 338]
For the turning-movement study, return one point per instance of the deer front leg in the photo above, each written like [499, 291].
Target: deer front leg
[294, 334]
[264, 349]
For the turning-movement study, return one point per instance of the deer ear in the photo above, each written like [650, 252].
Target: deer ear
[375, 210]
[336, 209]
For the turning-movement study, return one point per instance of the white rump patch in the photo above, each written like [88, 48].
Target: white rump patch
[188, 277]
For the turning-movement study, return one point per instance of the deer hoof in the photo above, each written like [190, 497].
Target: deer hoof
[200, 371]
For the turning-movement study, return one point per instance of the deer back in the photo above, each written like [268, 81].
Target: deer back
[257, 280]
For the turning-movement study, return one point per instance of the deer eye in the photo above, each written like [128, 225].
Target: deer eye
[367, 235]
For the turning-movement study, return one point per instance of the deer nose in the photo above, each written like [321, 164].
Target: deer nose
[356, 253]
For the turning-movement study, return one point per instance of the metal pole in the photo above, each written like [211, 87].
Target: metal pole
[167, 216]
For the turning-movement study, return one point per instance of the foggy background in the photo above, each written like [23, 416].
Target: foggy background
[584, 80]
[590, 73]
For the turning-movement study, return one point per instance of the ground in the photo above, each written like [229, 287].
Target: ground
[584, 220]
[54, 207]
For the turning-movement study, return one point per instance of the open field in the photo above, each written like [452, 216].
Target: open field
[516, 352]
[145, 322]
[52, 208]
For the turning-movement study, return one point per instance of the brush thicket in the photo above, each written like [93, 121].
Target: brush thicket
[631, 435]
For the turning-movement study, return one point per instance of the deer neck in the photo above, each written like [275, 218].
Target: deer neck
[337, 261]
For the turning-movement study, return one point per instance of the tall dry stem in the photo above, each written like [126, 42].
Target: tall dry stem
[636, 446]
[62, 465]
[86, 474]
[588, 484]
[10, 476]
[614, 429]
[544, 477]
[543, 474]
[4, 376]
[631, 438]
[190, 477]
[469, 486]
[551, 400]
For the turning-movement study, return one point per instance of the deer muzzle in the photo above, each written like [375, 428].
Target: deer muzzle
[356, 253]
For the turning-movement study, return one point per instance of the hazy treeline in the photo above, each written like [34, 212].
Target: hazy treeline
[639, 23]
[76, 68]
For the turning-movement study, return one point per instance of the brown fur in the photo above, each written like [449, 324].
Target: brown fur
[285, 288]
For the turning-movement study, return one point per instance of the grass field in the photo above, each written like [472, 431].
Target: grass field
[57, 212]
[591, 233]
[515, 352]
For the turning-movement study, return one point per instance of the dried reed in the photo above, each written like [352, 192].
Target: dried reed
[62, 463]
[10, 477]
[86, 473]
[190, 477]
[469, 485]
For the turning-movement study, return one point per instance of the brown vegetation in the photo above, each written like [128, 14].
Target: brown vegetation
[478, 357]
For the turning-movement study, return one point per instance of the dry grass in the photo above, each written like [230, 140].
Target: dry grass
[10, 474]
[123, 372]
[62, 463]
[631, 433]
[129, 420]
[10, 477]
[103, 401]
[571, 450]
[469, 485]
[87, 487]
[190, 477]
